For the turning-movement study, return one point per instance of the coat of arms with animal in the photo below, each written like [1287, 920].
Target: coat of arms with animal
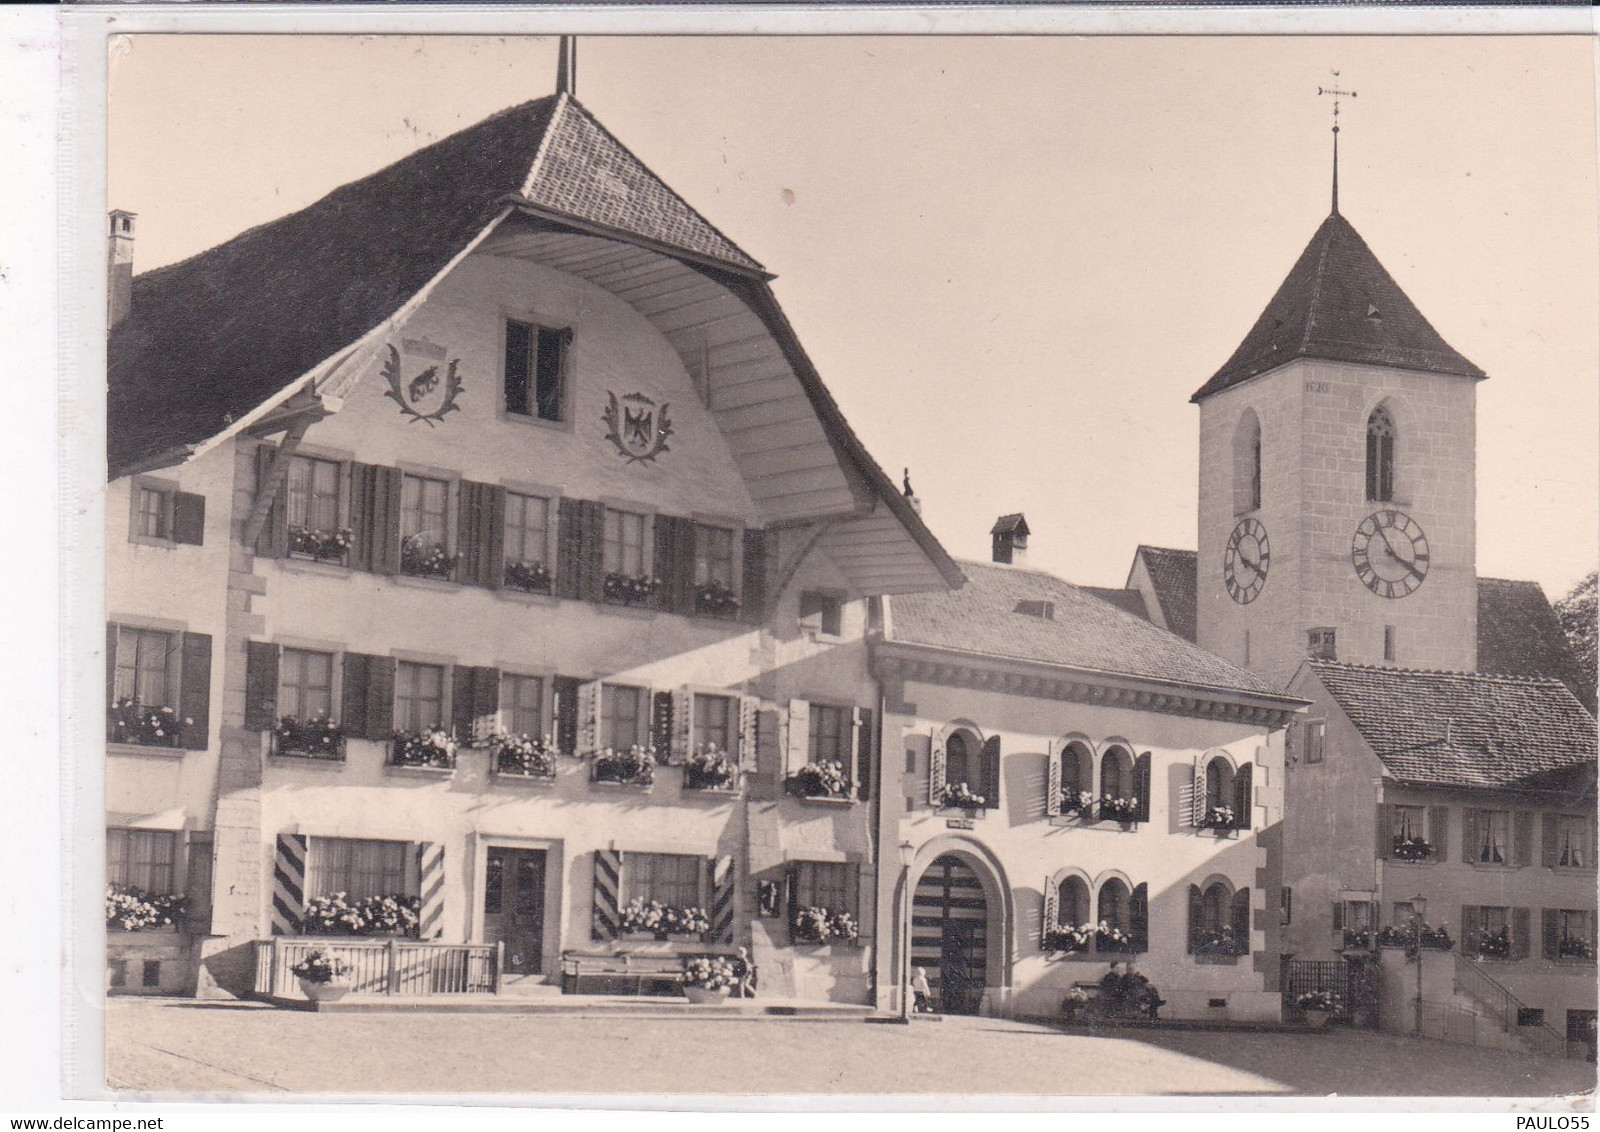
[637, 426]
[428, 393]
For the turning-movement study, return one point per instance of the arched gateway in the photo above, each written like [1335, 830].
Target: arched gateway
[951, 924]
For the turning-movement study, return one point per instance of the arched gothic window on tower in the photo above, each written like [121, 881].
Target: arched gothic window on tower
[1380, 456]
[1247, 464]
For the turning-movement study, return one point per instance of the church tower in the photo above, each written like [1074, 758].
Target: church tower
[1337, 476]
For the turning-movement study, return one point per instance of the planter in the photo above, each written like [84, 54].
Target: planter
[324, 992]
[1317, 1019]
[703, 995]
[684, 937]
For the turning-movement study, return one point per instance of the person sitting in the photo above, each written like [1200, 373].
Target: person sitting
[1143, 998]
[1113, 991]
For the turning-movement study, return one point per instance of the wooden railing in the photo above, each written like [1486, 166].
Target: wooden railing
[386, 967]
[1473, 981]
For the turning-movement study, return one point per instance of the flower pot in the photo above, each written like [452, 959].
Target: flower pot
[1317, 1019]
[324, 992]
[702, 995]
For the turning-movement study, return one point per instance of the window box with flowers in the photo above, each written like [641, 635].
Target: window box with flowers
[130, 909]
[1358, 939]
[1123, 810]
[522, 757]
[423, 560]
[820, 782]
[316, 738]
[1318, 1006]
[433, 749]
[394, 914]
[1063, 939]
[1077, 805]
[1570, 948]
[529, 577]
[651, 919]
[1432, 939]
[1221, 819]
[1110, 938]
[822, 926]
[959, 796]
[320, 545]
[708, 978]
[137, 725]
[624, 589]
[634, 767]
[1411, 848]
[715, 600]
[710, 770]
[1224, 943]
[1492, 944]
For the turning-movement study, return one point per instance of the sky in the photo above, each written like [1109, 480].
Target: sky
[1011, 259]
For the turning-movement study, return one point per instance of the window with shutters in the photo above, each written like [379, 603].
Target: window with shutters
[419, 696]
[522, 705]
[1316, 735]
[425, 528]
[625, 554]
[1487, 932]
[144, 692]
[824, 884]
[359, 869]
[153, 512]
[1219, 920]
[1118, 798]
[964, 785]
[1114, 917]
[714, 571]
[161, 515]
[1409, 834]
[1574, 934]
[715, 723]
[1220, 801]
[317, 528]
[144, 859]
[1571, 841]
[536, 359]
[674, 879]
[822, 612]
[831, 736]
[624, 720]
[1489, 837]
[1077, 779]
[527, 543]
[305, 684]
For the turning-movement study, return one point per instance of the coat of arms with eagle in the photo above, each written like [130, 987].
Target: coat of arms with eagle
[428, 394]
[637, 426]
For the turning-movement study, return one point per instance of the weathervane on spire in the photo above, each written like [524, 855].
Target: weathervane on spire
[1337, 95]
[567, 67]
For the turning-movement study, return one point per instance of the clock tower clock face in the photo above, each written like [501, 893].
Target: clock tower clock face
[1390, 553]
[1245, 562]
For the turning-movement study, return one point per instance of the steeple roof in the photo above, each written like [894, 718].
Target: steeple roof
[1339, 304]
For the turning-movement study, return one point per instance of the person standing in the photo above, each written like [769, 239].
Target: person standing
[922, 993]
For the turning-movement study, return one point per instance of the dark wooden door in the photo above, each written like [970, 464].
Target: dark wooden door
[513, 907]
[949, 933]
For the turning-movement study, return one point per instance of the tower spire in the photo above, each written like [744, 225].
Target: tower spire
[567, 67]
[1337, 95]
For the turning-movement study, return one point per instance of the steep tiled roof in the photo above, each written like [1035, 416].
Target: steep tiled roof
[1172, 572]
[210, 338]
[1518, 634]
[1085, 632]
[1467, 729]
[1130, 601]
[1338, 303]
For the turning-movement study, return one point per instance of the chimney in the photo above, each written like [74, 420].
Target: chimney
[1010, 540]
[119, 268]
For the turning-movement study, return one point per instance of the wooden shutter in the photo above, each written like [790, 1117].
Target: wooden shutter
[461, 708]
[1197, 795]
[865, 770]
[480, 533]
[194, 691]
[588, 713]
[749, 729]
[936, 767]
[1139, 917]
[607, 919]
[1469, 921]
[353, 707]
[1552, 931]
[1383, 843]
[724, 882]
[1239, 913]
[566, 713]
[1141, 786]
[1338, 915]
[1548, 851]
[797, 751]
[1050, 915]
[1197, 916]
[991, 772]
[682, 723]
[111, 673]
[474, 702]
[1439, 830]
[1052, 779]
[188, 518]
[591, 551]
[674, 563]
[753, 591]
[1471, 834]
[662, 715]
[375, 518]
[273, 540]
[569, 548]
[369, 696]
[1521, 932]
[1522, 837]
[260, 686]
[1244, 797]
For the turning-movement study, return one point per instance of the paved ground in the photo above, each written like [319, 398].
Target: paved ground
[187, 1046]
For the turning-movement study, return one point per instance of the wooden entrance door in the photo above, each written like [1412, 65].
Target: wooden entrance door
[513, 907]
[949, 934]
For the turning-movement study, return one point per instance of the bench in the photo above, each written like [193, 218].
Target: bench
[1098, 1009]
[627, 972]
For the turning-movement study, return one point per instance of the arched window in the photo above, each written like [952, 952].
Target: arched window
[1219, 794]
[1072, 903]
[1247, 463]
[1116, 773]
[1077, 777]
[1113, 910]
[1215, 906]
[957, 759]
[1219, 920]
[1380, 456]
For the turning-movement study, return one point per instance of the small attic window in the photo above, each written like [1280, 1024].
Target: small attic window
[1044, 610]
[1372, 312]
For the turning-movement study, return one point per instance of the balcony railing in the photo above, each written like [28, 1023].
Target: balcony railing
[390, 967]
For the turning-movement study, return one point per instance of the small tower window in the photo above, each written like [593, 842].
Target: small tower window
[1388, 642]
[1322, 644]
[1380, 456]
[1247, 464]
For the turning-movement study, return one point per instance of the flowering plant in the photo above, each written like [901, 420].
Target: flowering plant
[708, 769]
[822, 925]
[1571, 948]
[1357, 937]
[1220, 817]
[819, 780]
[1077, 996]
[1223, 941]
[425, 560]
[318, 737]
[133, 909]
[711, 972]
[661, 920]
[337, 914]
[132, 722]
[1113, 808]
[1324, 1001]
[320, 545]
[958, 795]
[715, 599]
[1065, 937]
[320, 967]
[1494, 945]
[636, 766]
[1411, 848]
[1081, 802]
[1109, 937]
[532, 577]
[520, 755]
[433, 747]
[626, 590]
[1432, 939]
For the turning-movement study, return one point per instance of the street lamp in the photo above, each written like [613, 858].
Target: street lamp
[1419, 909]
[908, 853]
